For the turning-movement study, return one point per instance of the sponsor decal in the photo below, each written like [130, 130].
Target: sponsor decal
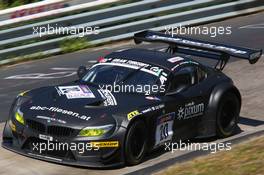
[175, 59]
[195, 43]
[49, 119]
[154, 70]
[108, 96]
[163, 77]
[107, 144]
[132, 114]
[146, 110]
[153, 108]
[190, 110]
[45, 137]
[130, 62]
[72, 92]
[152, 98]
[59, 110]
[164, 129]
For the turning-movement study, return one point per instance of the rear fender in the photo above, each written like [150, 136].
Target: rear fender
[207, 126]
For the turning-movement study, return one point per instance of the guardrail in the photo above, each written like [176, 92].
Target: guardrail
[56, 12]
[81, 18]
[91, 19]
[117, 23]
[38, 7]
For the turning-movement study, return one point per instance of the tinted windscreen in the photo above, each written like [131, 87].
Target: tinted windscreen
[110, 74]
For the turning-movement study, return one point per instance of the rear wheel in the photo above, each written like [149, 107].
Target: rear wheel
[227, 115]
[136, 143]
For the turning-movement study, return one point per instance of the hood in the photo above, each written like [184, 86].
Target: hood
[75, 104]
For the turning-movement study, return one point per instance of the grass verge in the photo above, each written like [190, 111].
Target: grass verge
[4, 4]
[75, 44]
[244, 159]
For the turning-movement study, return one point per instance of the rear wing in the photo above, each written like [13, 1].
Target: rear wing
[220, 52]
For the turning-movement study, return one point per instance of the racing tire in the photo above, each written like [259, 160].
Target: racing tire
[136, 143]
[227, 115]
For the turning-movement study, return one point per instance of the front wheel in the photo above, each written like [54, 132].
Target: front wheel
[227, 115]
[136, 143]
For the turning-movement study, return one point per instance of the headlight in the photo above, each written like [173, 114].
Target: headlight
[22, 93]
[21, 100]
[16, 106]
[18, 102]
[19, 117]
[95, 131]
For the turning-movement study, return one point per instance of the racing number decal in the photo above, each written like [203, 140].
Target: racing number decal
[164, 129]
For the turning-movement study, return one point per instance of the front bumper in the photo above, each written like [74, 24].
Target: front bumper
[21, 141]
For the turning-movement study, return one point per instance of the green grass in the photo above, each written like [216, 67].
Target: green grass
[14, 3]
[19, 59]
[244, 159]
[71, 45]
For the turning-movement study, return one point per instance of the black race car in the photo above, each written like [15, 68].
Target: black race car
[128, 104]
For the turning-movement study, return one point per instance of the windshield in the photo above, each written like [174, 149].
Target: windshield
[109, 74]
[113, 74]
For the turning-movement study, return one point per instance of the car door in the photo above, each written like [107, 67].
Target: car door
[186, 100]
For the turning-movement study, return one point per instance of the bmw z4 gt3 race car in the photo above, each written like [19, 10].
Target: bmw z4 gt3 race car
[87, 123]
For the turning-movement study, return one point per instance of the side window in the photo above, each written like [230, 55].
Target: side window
[184, 78]
[201, 74]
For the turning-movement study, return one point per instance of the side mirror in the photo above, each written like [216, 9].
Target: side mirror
[81, 71]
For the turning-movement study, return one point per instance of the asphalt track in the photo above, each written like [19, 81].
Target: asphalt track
[246, 31]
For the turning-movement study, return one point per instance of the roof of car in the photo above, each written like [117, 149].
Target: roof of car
[154, 57]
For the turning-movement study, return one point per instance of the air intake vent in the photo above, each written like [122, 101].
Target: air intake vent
[36, 126]
[58, 131]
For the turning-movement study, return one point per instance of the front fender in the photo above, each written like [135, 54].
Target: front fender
[7, 132]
